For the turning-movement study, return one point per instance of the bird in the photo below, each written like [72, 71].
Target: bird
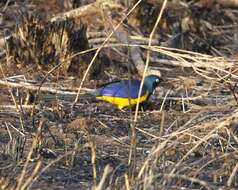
[124, 93]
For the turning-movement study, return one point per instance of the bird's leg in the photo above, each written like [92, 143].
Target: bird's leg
[123, 109]
[144, 106]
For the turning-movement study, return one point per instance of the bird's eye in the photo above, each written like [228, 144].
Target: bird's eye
[157, 80]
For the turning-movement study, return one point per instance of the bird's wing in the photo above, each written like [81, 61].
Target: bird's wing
[123, 89]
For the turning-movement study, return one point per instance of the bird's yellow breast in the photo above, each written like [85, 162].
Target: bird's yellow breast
[123, 102]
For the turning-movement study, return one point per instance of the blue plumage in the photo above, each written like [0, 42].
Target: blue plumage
[123, 89]
[125, 92]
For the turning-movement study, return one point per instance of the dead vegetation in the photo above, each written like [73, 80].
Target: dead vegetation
[54, 135]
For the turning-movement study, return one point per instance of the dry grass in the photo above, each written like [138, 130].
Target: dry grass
[63, 138]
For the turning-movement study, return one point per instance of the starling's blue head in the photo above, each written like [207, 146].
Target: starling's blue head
[151, 82]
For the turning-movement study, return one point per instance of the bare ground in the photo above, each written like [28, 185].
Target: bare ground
[185, 137]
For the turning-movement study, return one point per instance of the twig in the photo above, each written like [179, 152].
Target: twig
[9, 132]
[148, 57]
[14, 107]
[211, 134]
[35, 87]
[87, 10]
[107, 170]
[16, 129]
[232, 176]
[24, 170]
[100, 48]
[13, 98]
[164, 99]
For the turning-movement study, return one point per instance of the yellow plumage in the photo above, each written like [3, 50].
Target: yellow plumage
[123, 102]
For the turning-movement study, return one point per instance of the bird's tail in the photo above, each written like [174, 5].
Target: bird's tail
[89, 91]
